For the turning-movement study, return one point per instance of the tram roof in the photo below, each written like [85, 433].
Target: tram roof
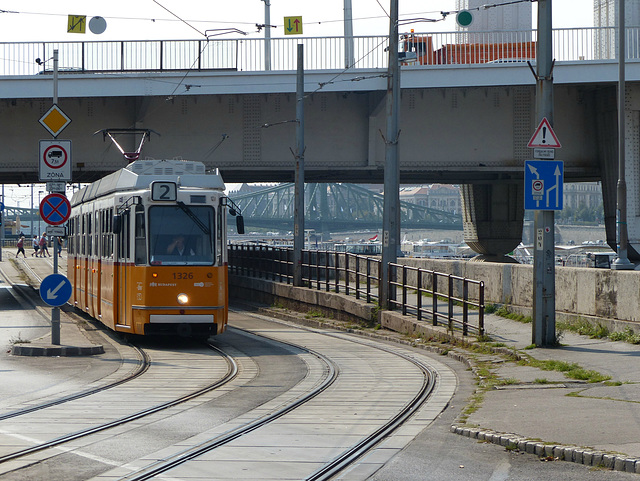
[139, 175]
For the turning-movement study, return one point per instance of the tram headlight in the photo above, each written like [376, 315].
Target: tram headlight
[183, 299]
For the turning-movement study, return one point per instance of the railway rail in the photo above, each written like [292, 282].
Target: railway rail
[346, 456]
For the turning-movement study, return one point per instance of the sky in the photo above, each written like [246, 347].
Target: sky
[38, 20]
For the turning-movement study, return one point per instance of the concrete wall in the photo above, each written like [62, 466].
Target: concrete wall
[600, 295]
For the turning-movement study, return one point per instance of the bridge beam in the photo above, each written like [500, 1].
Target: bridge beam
[493, 216]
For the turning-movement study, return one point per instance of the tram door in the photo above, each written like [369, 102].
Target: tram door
[123, 254]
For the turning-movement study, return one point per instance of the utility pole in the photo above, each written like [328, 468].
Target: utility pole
[622, 262]
[349, 59]
[391, 213]
[267, 35]
[298, 212]
[544, 301]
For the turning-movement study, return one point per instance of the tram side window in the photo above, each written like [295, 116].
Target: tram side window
[83, 237]
[125, 242]
[88, 235]
[96, 233]
[219, 236]
[141, 239]
[110, 230]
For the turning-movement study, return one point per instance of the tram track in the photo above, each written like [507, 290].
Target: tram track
[28, 301]
[232, 370]
[333, 466]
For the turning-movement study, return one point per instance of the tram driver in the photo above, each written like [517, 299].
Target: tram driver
[177, 247]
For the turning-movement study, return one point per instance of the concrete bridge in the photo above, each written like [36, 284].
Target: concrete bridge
[466, 122]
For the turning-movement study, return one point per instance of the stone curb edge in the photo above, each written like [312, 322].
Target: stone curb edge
[575, 454]
[26, 350]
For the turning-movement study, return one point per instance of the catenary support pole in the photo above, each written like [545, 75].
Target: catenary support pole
[391, 212]
[298, 227]
[544, 305]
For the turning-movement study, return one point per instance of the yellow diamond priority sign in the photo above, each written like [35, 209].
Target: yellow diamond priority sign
[55, 120]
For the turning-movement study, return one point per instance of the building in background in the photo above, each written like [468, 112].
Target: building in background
[582, 194]
[493, 20]
[605, 14]
[436, 196]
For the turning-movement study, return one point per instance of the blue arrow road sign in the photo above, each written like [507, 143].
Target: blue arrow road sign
[543, 184]
[55, 290]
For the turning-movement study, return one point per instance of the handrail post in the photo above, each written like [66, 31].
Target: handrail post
[465, 306]
[336, 269]
[326, 270]
[404, 290]
[450, 317]
[434, 297]
[481, 310]
[368, 279]
[419, 298]
[357, 277]
[346, 273]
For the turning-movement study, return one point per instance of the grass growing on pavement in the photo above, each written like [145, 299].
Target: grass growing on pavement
[599, 331]
[570, 369]
[503, 311]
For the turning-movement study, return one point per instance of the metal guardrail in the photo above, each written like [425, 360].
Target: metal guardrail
[458, 304]
[415, 283]
[321, 53]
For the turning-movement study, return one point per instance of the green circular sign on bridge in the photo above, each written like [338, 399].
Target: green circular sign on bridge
[464, 18]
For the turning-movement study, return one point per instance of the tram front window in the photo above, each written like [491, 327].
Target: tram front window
[180, 235]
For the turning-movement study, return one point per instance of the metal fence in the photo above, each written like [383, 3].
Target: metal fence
[414, 284]
[457, 303]
[321, 53]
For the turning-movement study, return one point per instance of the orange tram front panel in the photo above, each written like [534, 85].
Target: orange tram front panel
[147, 300]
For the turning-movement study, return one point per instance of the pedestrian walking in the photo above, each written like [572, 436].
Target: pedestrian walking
[60, 243]
[43, 245]
[21, 247]
[36, 246]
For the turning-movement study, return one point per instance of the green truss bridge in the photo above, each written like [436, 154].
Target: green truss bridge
[335, 207]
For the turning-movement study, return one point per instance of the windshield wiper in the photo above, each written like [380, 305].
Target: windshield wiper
[203, 227]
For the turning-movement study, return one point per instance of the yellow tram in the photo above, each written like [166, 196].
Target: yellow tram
[147, 249]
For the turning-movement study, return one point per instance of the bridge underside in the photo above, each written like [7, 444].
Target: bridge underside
[462, 135]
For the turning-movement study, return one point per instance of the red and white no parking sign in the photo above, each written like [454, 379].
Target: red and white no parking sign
[55, 160]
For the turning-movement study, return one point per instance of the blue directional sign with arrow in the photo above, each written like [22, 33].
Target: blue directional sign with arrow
[55, 290]
[543, 184]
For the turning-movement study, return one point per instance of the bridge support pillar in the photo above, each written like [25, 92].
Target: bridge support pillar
[493, 216]
[607, 129]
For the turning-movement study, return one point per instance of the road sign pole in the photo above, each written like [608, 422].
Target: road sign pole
[544, 308]
[55, 312]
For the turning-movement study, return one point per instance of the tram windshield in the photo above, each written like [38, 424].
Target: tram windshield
[181, 234]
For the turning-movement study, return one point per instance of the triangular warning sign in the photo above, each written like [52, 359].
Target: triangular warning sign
[544, 136]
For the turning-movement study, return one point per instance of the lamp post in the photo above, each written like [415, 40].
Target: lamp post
[622, 262]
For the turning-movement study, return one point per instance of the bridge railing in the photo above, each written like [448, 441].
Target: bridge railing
[456, 303]
[321, 53]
